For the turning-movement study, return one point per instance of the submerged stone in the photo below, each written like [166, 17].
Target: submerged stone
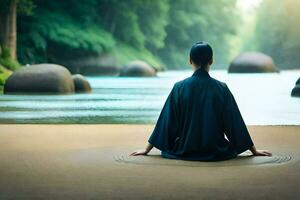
[41, 78]
[252, 62]
[296, 91]
[138, 69]
[81, 84]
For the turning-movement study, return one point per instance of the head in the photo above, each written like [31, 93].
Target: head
[201, 55]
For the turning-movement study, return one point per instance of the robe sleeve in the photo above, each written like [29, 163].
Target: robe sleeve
[166, 128]
[234, 126]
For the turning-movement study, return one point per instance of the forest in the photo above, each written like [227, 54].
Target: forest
[277, 32]
[113, 32]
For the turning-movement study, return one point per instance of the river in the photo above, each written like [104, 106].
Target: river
[263, 99]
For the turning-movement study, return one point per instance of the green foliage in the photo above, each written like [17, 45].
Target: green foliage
[153, 18]
[6, 65]
[2, 81]
[46, 28]
[72, 34]
[125, 54]
[277, 32]
[135, 22]
[4, 74]
[25, 6]
[7, 61]
[2, 69]
[158, 31]
[3, 77]
[212, 21]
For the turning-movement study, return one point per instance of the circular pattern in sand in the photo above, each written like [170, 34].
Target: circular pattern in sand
[243, 159]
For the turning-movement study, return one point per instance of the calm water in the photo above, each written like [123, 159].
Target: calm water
[264, 99]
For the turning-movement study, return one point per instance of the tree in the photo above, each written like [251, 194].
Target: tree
[58, 32]
[212, 21]
[8, 22]
[135, 22]
[8, 25]
[158, 31]
[277, 31]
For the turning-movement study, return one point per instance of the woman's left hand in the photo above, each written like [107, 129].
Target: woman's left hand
[139, 152]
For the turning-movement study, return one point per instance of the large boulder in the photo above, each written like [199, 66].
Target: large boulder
[81, 84]
[252, 62]
[138, 69]
[42, 78]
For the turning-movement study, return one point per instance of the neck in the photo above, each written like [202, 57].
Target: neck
[201, 68]
[201, 72]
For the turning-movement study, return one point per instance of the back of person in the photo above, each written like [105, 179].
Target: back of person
[200, 119]
[200, 136]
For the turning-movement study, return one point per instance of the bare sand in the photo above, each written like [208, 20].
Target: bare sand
[90, 162]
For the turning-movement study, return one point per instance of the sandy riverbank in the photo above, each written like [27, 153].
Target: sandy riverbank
[91, 162]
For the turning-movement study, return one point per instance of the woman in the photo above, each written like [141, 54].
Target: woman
[200, 119]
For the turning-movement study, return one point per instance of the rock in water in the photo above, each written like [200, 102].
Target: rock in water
[252, 62]
[81, 84]
[298, 81]
[41, 78]
[296, 91]
[138, 69]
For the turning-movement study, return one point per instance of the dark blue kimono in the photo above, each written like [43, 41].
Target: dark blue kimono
[196, 116]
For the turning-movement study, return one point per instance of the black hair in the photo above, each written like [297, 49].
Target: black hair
[201, 53]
